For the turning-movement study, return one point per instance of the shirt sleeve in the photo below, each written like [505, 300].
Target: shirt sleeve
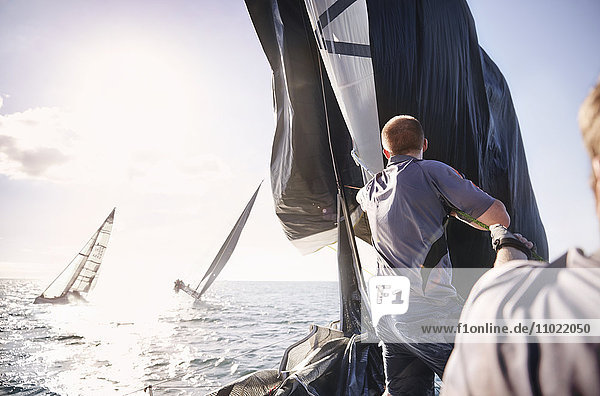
[456, 191]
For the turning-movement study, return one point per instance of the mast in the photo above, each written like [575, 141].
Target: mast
[352, 286]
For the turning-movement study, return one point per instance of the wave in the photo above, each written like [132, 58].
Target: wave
[25, 390]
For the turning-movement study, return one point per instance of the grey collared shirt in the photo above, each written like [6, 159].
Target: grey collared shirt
[407, 204]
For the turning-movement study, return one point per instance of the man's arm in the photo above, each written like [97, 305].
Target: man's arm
[362, 197]
[495, 214]
[461, 195]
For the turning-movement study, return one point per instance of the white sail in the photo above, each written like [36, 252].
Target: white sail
[81, 273]
[222, 256]
[342, 32]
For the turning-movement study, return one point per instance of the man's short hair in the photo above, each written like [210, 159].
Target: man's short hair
[589, 121]
[402, 134]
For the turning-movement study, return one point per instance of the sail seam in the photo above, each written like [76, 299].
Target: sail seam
[346, 48]
[334, 11]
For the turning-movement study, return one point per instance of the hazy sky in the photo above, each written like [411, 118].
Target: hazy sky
[164, 110]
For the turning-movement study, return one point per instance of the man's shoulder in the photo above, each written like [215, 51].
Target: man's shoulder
[371, 183]
[433, 163]
[524, 280]
[503, 276]
[572, 258]
[434, 166]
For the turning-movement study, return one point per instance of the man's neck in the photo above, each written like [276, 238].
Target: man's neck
[416, 154]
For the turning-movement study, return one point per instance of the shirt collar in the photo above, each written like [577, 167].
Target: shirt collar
[396, 159]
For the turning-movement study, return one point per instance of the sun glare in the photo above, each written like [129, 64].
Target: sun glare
[135, 93]
[133, 105]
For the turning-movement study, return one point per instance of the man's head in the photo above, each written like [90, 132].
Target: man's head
[403, 134]
[589, 122]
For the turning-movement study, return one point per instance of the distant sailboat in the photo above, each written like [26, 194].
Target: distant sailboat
[81, 274]
[222, 257]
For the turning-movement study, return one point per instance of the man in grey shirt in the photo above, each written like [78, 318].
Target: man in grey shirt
[407, 204]
[561, 354]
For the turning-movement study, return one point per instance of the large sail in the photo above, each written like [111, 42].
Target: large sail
[81, 274]
[426, 62]
[336, 63]
[223, 255]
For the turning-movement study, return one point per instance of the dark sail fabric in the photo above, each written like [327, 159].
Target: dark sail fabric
[426, 62]
[323, 363]
[302, 178]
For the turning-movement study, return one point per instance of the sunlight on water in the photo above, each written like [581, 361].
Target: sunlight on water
[123, 340]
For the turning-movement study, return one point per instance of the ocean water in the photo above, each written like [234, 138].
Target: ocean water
[119, 346]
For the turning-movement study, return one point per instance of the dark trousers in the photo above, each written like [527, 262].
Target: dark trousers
[409, 368]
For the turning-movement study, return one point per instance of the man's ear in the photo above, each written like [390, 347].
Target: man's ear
[425, 144]
[387, 154]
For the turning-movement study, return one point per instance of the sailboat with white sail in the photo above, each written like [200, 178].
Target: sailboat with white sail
[222, 256]
[81, 274]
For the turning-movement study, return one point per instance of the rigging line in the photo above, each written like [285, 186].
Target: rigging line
[487, 227]
[89, 251]
[183, 387]
[344, 203]
[362, 268]
[211, 365]
[342, 197]
[73, 259]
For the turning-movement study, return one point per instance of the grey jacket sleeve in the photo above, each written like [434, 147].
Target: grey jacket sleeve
[456, 191]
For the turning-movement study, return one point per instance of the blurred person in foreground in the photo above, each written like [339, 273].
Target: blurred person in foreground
[565, 292]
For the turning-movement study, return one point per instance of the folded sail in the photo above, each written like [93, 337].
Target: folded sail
[302, 178]
[81, 274]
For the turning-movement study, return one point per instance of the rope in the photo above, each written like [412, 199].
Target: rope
[487, 227]
[150, 387]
